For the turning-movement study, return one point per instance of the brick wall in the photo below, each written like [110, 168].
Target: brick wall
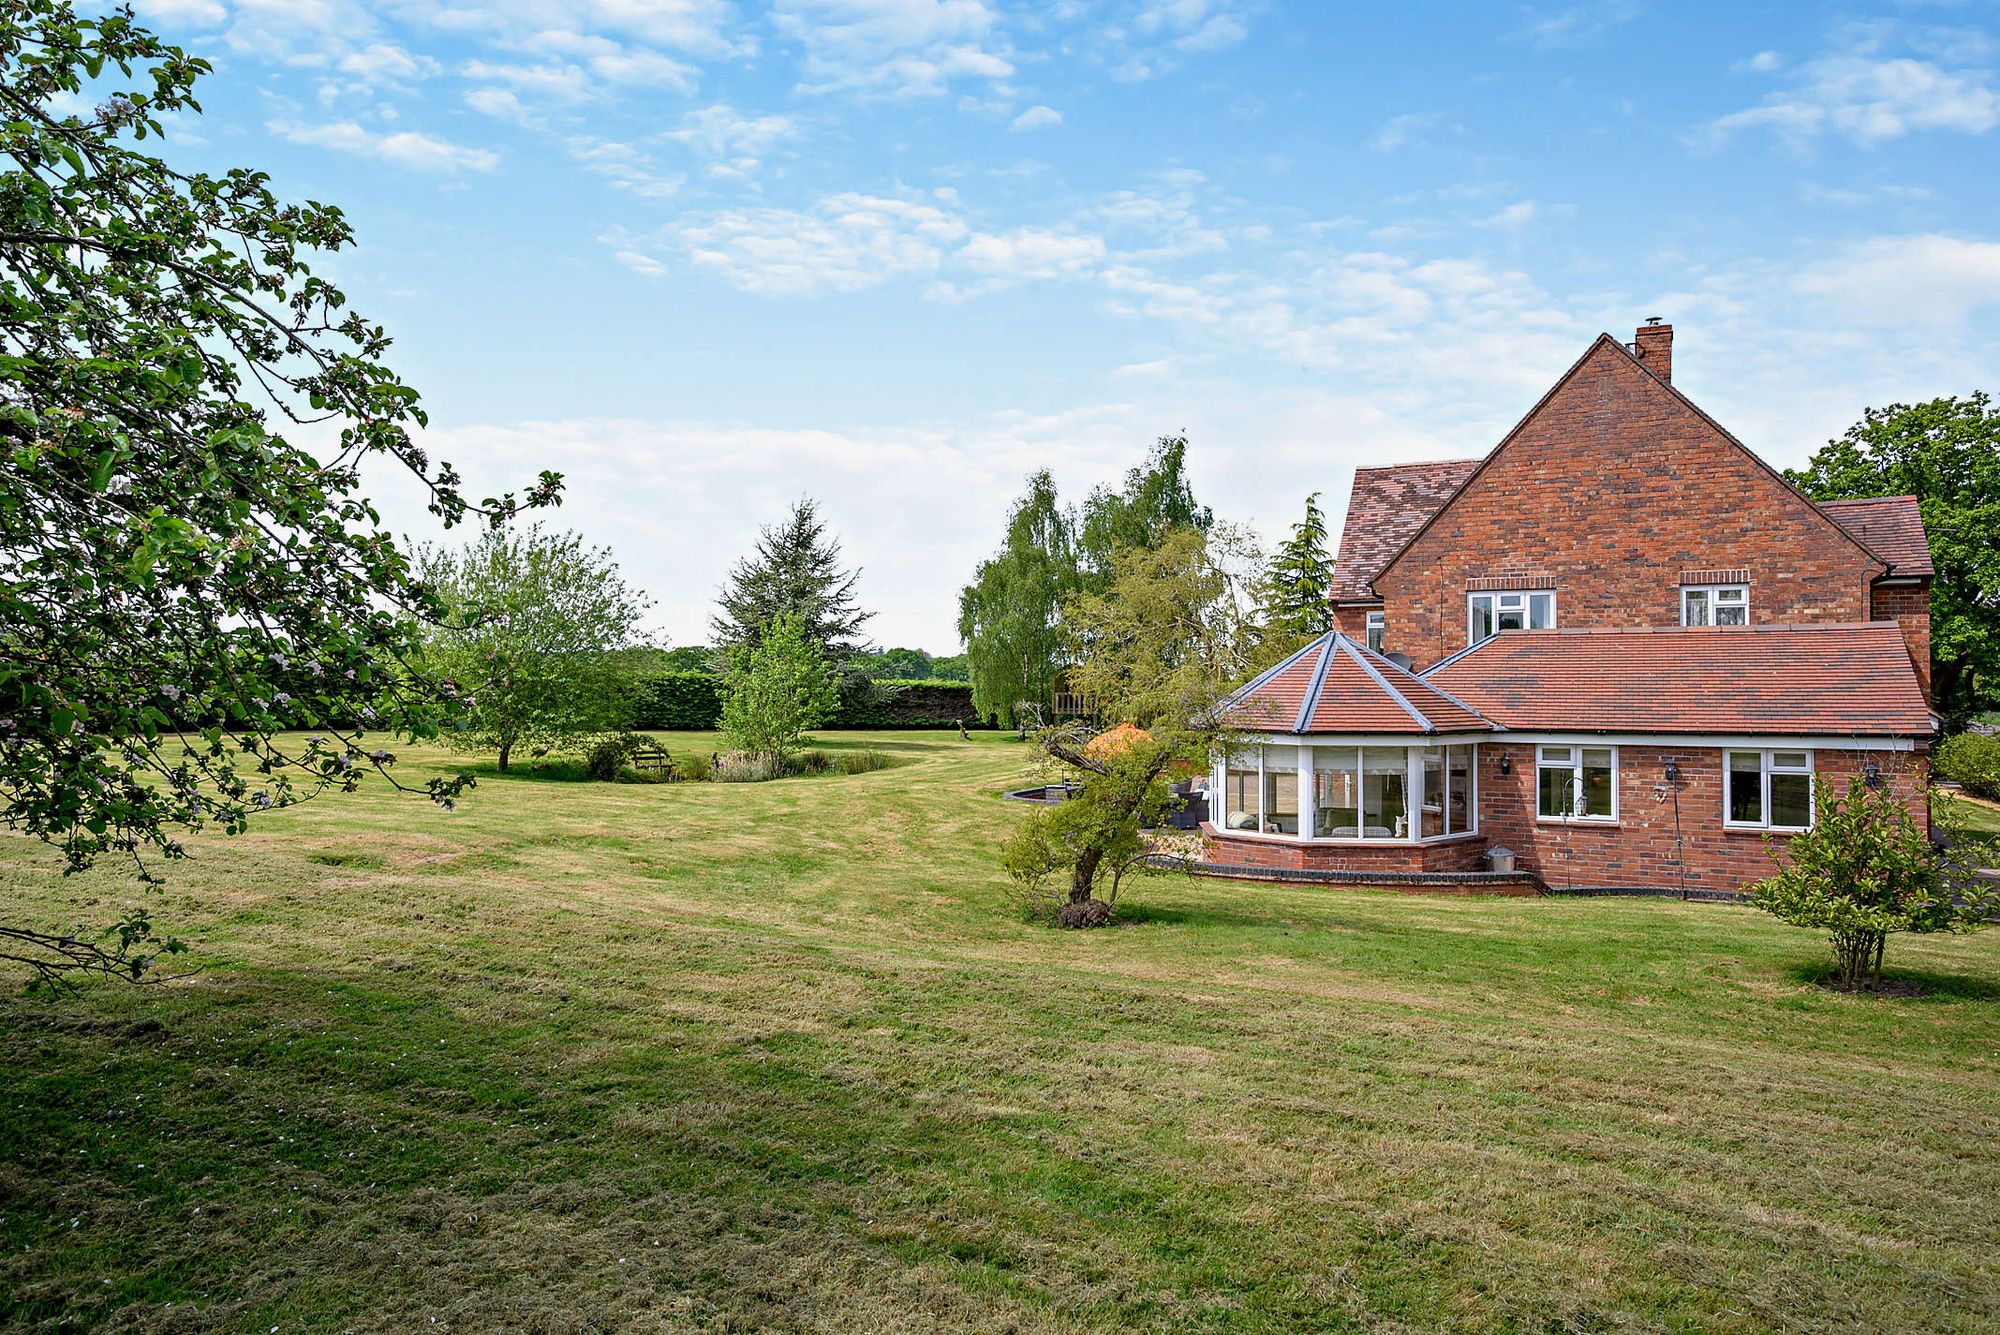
[1615, 486]
[1448, 855]
[1909, 605]
[1638, 850]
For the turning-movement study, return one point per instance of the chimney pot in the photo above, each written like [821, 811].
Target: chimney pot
[1654, 347]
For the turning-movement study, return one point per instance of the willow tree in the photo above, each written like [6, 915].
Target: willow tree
[201, 618]
[1010, 616]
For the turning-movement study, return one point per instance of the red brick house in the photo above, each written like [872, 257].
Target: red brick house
[1620, 645]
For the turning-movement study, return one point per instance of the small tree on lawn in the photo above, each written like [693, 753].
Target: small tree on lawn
[535, 620]
[1864, 870]
[777, 690]
[1159, 646]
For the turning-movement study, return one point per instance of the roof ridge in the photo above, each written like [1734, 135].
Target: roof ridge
[1354, 652]
[1873, 500]
[1410, 463]
[1310, 702]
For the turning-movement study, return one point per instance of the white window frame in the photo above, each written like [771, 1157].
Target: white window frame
[1767, 766]
[1378, 631]
[1501, 597]
[1713, 591]
[1308, 767]
[1575, 768]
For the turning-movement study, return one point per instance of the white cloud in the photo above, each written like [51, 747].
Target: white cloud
[1578, 25]
[1517, 214]
[1038, 118]
[625, 166]
[405, 148]
[196, 13]
[722, 131]
[1154, 37]
[844, 243]
[894, 48]
[1871, 98]
[1927, 280]
[1398, 131]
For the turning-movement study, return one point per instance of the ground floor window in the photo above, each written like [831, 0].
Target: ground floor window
[1768, 790]
[1576, 782]
[1351, 792]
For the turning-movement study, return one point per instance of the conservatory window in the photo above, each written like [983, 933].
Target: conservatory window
[1448, 804]
[1336, 792]
[1768, 790]
[1242, 805]
[1487, 613]
[1576, 783]
[1281, 790]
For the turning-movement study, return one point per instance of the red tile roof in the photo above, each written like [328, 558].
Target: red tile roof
[1826, 680]
[1388, 505]
[1891, 527]
[1335, 685]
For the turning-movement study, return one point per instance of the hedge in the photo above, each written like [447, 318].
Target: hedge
[692, 702]
[677, 702]
[1971, 759]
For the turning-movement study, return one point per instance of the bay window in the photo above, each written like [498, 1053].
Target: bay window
[1488, 613]
[1768, 790]
[1307, 791]
[1576, 782]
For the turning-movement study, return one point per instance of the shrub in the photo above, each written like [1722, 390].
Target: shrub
[609, 755]
[1865, 869]
[746, 767]
[694, 767]
[861, 762]
[1971, 759]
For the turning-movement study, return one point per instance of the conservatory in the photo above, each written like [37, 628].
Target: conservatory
[1340, 756]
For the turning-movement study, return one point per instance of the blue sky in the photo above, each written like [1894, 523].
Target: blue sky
[705, 256]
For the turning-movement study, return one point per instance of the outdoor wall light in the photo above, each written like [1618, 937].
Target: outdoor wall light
[1673, 772]
[1871, 774]
[1506, 763]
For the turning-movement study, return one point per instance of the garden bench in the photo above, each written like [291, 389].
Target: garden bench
[650, 760]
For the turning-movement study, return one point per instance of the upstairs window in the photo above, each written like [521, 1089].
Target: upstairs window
[1576, 783]
[1768, 790]
[1715, 605]
[1378, 624]
[1522, 610]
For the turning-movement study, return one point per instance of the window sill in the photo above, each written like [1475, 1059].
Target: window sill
[1581, 822]
[1765, 829]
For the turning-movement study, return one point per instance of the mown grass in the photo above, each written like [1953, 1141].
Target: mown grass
[782, 1057]
[1980, 818]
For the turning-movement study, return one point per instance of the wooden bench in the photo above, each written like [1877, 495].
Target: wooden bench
[651, 760]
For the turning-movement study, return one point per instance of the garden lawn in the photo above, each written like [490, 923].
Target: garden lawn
[783, 1057]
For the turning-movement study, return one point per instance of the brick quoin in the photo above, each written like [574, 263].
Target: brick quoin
[1615, 485]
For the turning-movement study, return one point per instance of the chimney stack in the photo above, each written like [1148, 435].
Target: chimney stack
[1654, 347]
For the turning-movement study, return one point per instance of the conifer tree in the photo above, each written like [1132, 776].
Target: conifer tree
[1295, 596]
[796, 571]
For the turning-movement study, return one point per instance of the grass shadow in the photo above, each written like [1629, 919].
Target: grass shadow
[1902, 984]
